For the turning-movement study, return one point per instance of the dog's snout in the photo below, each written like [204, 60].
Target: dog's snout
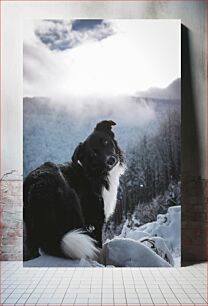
[111, 160]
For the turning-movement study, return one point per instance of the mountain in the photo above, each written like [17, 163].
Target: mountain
[172, 92]
[52, 129]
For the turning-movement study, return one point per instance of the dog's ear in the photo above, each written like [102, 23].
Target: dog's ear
[78, 154]
[105, 126]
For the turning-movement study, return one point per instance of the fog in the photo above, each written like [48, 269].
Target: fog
[126, 110]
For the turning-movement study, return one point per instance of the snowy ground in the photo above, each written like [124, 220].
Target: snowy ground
[163, 235]
[51, 261]
[155, 244]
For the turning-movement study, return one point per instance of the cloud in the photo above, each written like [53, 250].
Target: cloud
[62, 35]
[140, 54]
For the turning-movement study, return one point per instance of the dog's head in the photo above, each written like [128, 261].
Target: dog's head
[99, 153]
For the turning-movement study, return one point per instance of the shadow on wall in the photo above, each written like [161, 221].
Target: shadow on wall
[193, 234]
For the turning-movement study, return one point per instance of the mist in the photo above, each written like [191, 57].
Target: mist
[123, 109]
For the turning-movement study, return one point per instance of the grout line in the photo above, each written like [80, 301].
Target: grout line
[123, 279]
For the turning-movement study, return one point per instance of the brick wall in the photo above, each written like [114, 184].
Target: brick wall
[11, 220]
[194, 229]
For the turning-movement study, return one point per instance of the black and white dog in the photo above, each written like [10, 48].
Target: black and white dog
[66, 205]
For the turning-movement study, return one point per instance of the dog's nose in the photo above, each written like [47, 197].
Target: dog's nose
[111, 161]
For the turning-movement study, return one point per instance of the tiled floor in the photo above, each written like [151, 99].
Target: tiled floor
[98, 286]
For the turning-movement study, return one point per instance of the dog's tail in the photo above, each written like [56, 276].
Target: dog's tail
[76, 245]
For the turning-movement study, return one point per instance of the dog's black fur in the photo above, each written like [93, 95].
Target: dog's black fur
[59, 198]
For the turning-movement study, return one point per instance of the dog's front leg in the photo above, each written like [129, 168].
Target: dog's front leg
[99, 221]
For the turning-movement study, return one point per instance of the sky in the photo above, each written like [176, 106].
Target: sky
[79, 58]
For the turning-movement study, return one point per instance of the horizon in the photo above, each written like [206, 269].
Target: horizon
[145, 91]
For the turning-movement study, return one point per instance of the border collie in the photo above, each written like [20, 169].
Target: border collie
[66, 205]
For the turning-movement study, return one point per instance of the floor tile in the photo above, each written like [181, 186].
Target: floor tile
[117, 286]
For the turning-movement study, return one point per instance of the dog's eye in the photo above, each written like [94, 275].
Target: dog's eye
[106, 142]
[94, 154]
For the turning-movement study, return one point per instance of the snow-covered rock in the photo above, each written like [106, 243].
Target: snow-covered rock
[162, 236]
[125, 252]
[158, 245]
[168, 227]
[137, 235]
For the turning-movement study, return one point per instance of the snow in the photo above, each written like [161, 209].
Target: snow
[143, 213]
[168, 227]
[162, 235]
[158, 245]
[137, 235]
[52, 261]
[125, 252]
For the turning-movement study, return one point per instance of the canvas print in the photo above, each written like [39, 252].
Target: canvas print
[102, 143]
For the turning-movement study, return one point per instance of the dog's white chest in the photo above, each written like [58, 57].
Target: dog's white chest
[110, 196]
